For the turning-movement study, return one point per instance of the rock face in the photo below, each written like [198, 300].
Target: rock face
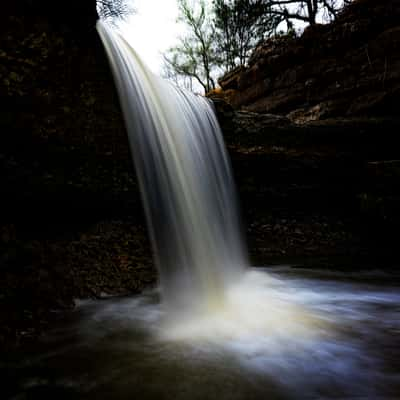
[71, 223]
[312, 126]
[324, 191]
[350, 67]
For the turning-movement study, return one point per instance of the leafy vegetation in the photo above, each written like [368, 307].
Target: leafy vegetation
[221, 35]
[239, 26]
[195, 55]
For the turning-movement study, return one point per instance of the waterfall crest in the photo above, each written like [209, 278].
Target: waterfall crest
[185, 180]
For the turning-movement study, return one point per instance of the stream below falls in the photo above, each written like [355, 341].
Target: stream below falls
[287, 333]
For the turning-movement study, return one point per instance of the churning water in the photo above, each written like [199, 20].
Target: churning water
[289, 334]
[221, 331]
[185, 180]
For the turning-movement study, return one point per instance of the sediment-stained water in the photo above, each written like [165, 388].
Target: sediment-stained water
[285, 334]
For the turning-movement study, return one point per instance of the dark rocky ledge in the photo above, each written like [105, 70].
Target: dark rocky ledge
[325, 190]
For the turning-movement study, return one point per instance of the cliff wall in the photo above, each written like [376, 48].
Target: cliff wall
[350, 67]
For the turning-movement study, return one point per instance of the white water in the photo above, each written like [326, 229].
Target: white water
[347, 348]
[185, 179]
[227, 331]
[282, 334]
[191, 209]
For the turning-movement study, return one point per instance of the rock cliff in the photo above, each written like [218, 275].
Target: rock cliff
[350, 67]
[313, 121]
[71, 222]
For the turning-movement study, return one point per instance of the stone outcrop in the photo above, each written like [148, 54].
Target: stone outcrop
[324, 190]
[350, 67]
[71, 223]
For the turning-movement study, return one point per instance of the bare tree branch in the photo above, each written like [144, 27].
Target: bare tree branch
[194, 56]
[114, 9]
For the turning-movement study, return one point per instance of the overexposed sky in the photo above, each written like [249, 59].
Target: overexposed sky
[152, 30]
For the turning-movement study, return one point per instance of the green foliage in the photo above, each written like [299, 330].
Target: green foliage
[240, 25]
[194, 56]
[222, 38]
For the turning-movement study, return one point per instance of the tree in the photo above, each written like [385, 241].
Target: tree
[226, 40]
[169, 72]
[240, 25]
[303, 10]
[194, 56]
[114, 9]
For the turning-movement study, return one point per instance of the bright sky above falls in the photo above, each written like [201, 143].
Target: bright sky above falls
[153, 29]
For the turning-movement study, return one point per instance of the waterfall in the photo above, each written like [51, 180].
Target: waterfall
[185, 181]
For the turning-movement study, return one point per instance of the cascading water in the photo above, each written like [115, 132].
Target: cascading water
[191, 208]
[227, 333]
[185, 180]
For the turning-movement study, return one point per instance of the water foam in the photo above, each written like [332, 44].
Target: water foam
[185, 180]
